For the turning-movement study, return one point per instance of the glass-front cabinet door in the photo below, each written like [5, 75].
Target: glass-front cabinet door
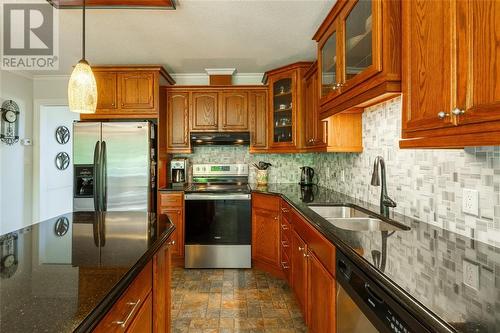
[360, 38]
[283, 111]
[328, 55]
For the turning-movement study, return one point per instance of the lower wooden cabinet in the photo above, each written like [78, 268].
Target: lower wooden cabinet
[172, 204]
[320, 297]
[266, 231]
[299, 271]
[145, 304]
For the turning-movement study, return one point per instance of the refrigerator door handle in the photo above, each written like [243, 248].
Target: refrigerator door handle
[104, 178]
[96, 186]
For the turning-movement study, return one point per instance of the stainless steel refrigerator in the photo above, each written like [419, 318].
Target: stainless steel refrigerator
[114, 168]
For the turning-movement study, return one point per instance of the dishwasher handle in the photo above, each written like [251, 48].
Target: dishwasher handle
[213, 196]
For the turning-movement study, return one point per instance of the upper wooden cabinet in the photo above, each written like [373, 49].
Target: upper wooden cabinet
[359, 54]
[286, 107]
[234, 111]
[257, 109]
[137, 90]
[451, 90]
[204, 112]
[314, 128]
[178, 121]
[210, 109]
[128, 92]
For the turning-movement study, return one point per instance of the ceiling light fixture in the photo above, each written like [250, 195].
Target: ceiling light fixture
[82, 88]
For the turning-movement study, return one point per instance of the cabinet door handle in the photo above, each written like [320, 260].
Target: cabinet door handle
[442, 114]
[457, 112]
[123, 323]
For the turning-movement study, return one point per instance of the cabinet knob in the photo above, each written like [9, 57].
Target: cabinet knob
[284, 227]
[442, 114]
[276, 218]
[306, 255]
[172, 242]
[457, 111]
[301, 248]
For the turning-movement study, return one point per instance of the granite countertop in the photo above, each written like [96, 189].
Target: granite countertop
[422, 267]
[69, 270]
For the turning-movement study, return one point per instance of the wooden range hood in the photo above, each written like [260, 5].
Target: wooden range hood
[220, 76]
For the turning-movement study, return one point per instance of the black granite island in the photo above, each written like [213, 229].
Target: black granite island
[65, 273]
[421, 267]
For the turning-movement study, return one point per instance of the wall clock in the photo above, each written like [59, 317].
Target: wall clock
[61, 226]
[9, 122]
[8, 255]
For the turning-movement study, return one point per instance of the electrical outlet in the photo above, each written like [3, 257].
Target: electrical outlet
[471, 274]
[470, 202]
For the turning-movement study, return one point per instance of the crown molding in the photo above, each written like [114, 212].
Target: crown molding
[220, 71]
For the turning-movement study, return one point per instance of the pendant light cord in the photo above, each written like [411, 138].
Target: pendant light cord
[83, 32]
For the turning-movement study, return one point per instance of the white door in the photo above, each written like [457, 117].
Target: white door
[56, 186]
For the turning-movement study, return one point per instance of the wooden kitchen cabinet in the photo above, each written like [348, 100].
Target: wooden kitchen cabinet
[162, 272]
[286, 107]
[359, 54]
[320, 296]
[178, 122]
[107, 90]
[266, 231]
[299, 271]
[257, 108]
[314, 128]
[345, 131]
[172, 204]
[204, 112]
[142, 321]
[234, 111]
[450, 81]
[128, 92]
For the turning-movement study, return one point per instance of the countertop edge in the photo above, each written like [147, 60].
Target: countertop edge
[93, 318]
[410, 304]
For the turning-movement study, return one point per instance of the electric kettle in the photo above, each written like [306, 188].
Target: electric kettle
[306, 176]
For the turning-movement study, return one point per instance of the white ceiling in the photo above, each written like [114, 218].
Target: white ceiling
[250, 35]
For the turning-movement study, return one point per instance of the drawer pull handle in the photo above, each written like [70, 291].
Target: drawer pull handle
[306, 255]
[284, 264]
[123, 323]
[284, 243]
[301, 248]
[284, 210]
[172, 242]
[284, 227]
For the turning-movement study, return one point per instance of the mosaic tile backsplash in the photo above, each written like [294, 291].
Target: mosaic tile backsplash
[426, 184]
[285, 167]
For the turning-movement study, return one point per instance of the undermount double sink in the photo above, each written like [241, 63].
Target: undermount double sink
[350, 218]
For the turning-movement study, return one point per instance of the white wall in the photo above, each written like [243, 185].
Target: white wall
[16, 162]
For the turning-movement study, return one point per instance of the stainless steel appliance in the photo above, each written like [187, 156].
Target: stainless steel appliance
[306, 176]
[220, 138]
[218, 223]
[362, 306]
[114, 168]
[178, 170]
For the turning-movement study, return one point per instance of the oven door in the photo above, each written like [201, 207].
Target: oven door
[218, 219]
[218, 231]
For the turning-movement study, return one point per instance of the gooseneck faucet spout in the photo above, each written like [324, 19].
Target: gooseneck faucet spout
[385, 200]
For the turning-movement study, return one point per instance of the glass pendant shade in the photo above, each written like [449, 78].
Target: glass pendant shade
[82, 89]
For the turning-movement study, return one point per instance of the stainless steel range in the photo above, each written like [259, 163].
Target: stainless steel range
[218, 227]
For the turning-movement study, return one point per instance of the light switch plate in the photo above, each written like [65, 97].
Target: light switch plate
[471, 274]
[470, 202]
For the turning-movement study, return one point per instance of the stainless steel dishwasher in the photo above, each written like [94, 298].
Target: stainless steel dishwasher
[363, 307]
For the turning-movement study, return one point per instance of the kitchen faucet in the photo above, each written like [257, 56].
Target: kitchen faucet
[385, 200]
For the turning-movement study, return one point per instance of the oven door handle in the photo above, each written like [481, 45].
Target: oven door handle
[212, 196]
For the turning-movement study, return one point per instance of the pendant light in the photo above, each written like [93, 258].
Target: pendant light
[82, 89]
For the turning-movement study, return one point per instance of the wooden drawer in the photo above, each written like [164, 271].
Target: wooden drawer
[171, 199]
[286, 264]
[266, 201]
[317, 243]
[285, 209]
[122, 314]
[142, 321]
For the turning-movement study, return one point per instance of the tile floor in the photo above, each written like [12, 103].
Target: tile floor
[232, 300]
